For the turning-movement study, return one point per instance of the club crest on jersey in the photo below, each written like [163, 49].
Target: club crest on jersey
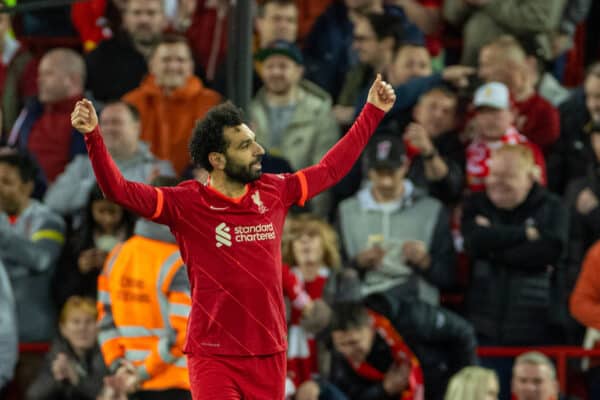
[256, 199]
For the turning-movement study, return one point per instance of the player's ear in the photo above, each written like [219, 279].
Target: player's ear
[217, 160]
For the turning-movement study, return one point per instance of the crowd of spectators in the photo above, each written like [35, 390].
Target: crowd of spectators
[472, 218]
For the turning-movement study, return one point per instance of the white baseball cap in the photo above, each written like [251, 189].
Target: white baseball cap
[493, 94]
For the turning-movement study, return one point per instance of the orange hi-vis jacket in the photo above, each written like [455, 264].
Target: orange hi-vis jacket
[143, 303]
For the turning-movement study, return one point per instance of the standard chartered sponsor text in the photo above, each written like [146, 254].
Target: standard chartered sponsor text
[251, 233]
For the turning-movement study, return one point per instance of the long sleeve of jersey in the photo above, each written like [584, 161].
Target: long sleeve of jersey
[140, 198]
[338, 161]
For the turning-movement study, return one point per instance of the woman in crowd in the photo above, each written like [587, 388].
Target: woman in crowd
[310, 249]
[105, 224]
[473, 383]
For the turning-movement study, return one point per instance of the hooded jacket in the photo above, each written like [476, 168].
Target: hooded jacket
[169, 120]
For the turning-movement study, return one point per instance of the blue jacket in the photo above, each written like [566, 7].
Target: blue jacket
[328, 47]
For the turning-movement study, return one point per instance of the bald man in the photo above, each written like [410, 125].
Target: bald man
[44, 127]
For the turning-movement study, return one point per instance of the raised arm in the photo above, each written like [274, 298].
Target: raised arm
[338, 161]
[140, 198]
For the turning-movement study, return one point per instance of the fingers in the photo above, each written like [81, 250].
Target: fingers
[89, 107]
[378, 79]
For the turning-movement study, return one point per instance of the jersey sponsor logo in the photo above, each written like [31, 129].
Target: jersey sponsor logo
[222, 235]
[218, 208]
[243, 233]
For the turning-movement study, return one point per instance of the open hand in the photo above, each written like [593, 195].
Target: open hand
[381, 94]
[83, 117]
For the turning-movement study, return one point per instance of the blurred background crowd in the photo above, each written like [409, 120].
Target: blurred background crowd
[470, 223]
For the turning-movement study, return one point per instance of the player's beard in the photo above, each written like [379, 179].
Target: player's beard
[242, 173]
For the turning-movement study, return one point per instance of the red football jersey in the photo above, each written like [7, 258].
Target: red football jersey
[232, 246]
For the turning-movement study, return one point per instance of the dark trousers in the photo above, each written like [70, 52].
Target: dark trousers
[171, 394]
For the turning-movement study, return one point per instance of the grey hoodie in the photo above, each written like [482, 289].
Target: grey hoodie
[415, 216]
[29, 250]
[71, 190]
[8, 329]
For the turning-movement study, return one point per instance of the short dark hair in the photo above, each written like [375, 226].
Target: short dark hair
[260, 11]
[348, 315]
[23, 162]
[208, 135]
[133, 111]
[443, 90]
[386, 25]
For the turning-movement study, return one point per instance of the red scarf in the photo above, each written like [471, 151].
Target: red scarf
[401, 353]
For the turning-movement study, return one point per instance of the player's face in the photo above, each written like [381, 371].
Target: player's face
[354, 344]
[243, 154]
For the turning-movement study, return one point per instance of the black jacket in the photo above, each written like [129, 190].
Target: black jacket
[571, 154]
[91, 372]
[584, 229]
[511, 297]
[449, 189]
[442, 341]
[114, 68]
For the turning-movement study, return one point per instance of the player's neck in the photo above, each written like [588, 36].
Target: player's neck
[226, 186]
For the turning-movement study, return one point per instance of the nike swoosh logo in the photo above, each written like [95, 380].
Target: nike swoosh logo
[218, 208]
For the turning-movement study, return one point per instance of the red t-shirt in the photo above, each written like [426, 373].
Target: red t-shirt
[50, 137]
[232, 247]
[538, 120]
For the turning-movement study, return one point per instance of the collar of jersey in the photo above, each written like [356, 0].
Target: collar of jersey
[235, 200]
